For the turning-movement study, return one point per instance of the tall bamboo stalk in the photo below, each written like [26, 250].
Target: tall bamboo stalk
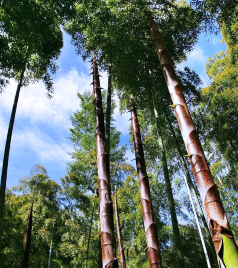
[119, 237]
[7, 151]
[150, 226]
[108, 111]
[194, 192]
[176, 234]
[27, 240]
[106, 209]
[208, 189]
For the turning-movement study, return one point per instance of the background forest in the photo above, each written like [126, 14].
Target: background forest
[34, 41]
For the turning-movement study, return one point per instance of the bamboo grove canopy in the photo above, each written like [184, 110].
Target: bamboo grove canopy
[138, 42]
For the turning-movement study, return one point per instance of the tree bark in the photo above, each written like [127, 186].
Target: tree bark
[27, 240]
[108, 112]
[7, 151]
[106, 209]
[150, 226]
[208, 189]
[119, 237]
[176, 234]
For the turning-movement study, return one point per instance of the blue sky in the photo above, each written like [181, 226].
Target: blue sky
[42, 125]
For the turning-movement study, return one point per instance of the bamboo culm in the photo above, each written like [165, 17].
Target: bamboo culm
[194, 192]
[149, 224]
[208, 189]
[108, 112]
[106, 209]
[119, 237]
[27, 240]
[7, 151]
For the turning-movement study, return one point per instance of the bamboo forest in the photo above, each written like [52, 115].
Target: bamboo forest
[116, 152]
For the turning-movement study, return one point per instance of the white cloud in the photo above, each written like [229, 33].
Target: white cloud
[3, 133]
[39, 120]
[216, 40]
[36, 107]
[41, 125]
[198, 55]
[46, 148]
[195, 58]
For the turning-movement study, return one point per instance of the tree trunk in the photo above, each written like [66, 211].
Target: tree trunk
[176, 234]
[27, 240]
[190, 182]
[89, 235]
[121, 249]
[7, 151]
[208, 190]
[106, 209]
[108, 112]
[150, 226]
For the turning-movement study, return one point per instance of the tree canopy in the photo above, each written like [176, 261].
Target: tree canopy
[66, 229]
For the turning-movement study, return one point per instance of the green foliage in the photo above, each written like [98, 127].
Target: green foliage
[220, 116]
[46, 214]
[117, 32]
[119, 35]
[218, 108]
[80, 185]
[31, 39]
[83, 167]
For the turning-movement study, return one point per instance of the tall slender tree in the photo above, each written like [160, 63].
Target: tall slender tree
[82, 178]
[34, 40]
[7, 151]
[190, 182]
[27, 240]
[108, 111]
[106, 209]
[119, 237]
[149, 224]
[222, 236]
